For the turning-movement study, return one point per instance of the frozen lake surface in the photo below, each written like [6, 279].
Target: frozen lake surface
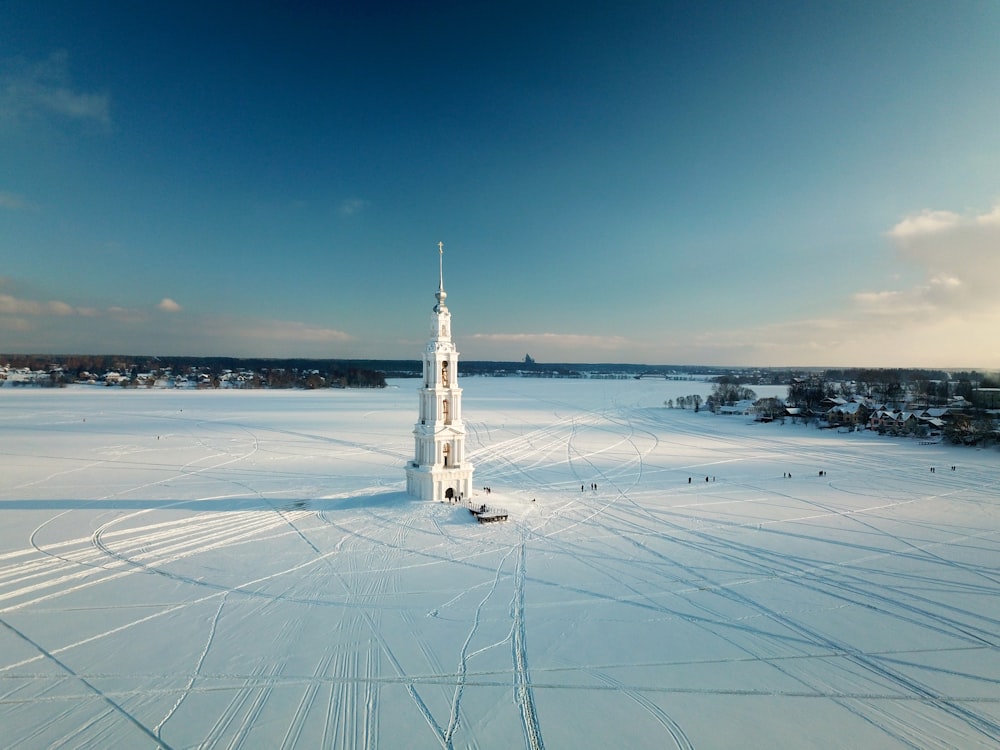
[242, 569]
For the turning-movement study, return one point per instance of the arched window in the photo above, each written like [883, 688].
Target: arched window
[447, 452]
[444, 411]
[444, 374]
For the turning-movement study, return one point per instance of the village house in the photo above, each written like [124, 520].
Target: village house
[849, 413]
[896, 422]
[744, 407]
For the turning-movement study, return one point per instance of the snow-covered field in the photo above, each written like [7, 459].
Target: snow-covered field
[242, 569]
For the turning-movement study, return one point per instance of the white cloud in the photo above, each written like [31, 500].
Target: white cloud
[991, 218]
[31, 326]
[31, 91]
[877, 300]
[959, 256]
[28, 316]
[924, 223]
[353, 206]
[10, 305]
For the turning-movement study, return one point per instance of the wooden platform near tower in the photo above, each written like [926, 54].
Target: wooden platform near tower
[486, 514]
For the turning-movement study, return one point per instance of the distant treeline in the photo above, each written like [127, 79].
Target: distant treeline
[273, 373]
[413, 368]
[372, 373]
[534, 369]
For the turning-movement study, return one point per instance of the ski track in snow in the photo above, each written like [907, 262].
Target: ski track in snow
[299, 625]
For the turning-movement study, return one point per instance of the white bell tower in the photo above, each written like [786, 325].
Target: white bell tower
[439, 469]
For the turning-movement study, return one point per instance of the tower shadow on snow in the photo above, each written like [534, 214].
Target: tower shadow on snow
[395, 498]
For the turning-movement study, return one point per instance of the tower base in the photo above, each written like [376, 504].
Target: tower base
[438, 483]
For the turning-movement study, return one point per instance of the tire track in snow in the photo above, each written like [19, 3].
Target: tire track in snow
[502, 679]
[237, 720]
[453, 721]
[242, 703]
[523, 695]
[604, 520]
[390, 551]
[90, 686]
[680, 739]
[197, 667]
[88, 570]
[297, 723]
[243, 589]
[714, 545]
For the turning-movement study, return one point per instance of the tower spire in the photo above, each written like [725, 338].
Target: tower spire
[441, 266]
[441, 295]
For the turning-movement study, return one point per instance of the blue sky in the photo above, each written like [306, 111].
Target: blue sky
[695, 183]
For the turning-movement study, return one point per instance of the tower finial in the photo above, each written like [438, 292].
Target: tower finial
[441, 266]
[441, 295]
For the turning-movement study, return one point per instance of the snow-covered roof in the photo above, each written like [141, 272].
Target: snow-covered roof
[740, 407]
[937, 411]
[847, 408]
